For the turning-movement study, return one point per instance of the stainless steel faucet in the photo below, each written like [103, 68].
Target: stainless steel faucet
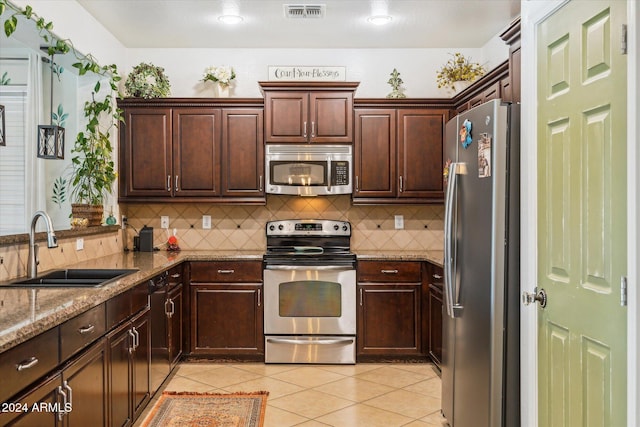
[52, 241]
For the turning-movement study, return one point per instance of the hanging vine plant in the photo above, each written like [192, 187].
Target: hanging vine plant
[93, 167]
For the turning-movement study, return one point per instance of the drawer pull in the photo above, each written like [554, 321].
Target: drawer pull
[30, 363]
[389, 271]
[226, 271]
[437, 276]
[175, 276]
[86, 329]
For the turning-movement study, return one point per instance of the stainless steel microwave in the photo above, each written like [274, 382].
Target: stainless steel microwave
[308, 169]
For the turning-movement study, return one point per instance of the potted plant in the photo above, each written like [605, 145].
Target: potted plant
[459, 72]
[222, 76]
[93, 170]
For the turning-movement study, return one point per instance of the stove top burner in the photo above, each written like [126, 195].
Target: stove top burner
[308, 242]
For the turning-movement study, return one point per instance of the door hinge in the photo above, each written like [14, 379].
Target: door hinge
[623, 40]
[623, 291]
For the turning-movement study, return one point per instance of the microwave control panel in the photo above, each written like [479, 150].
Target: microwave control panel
[340, 173]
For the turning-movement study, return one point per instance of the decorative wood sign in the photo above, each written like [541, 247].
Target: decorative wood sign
[306, 73]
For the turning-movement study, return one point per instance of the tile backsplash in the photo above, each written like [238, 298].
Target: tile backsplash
[243, 227]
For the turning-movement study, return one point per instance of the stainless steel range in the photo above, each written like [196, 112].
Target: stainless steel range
[309, 292]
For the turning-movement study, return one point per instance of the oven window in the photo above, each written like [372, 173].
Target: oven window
[310, 298]
[306, 173]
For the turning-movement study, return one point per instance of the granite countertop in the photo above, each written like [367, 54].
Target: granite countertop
[26, 312]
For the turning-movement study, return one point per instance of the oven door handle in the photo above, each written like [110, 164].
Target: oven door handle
[310, 267]
[310, 342]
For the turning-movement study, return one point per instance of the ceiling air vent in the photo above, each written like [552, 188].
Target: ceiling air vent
[295, 11]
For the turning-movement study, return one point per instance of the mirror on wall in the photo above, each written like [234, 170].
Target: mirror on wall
[33, 85]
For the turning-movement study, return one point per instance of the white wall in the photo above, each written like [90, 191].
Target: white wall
[184, 67]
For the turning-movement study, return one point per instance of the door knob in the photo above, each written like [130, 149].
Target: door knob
[537, 295]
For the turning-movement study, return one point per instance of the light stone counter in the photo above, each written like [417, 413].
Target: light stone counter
[435, 257]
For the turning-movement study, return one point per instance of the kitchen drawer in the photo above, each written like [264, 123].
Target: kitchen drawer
[80, 331]
[127, 303]
[389, 271]
[226, 271]
[436, 276]
[22, 365]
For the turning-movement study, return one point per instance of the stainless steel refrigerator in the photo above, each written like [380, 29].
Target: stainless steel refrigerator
[480, 360]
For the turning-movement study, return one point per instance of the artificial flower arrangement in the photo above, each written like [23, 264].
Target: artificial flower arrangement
[172, 241]
[222, 74]
[147, 81]
[458, 69]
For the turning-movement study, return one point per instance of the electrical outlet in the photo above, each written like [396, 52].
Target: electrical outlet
[164, 222]
[124, 222]
[399, 222]
[206, 222]
[79, 244]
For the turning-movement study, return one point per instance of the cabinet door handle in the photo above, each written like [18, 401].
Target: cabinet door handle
[173, 308]
[67, 387]
[313, 129]
[226, 271]
[360, 297]
[401, 184]
[261, 186]
[177, 189]
[61, 411]
[389, 271]
[133, 341]
[259, 297]
[167, 312]
[437, 276]
[169, 183]
[29, 363]
[86, 329]
[304, 130]
[357, 184]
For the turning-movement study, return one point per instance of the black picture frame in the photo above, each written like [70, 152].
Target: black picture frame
[3, 139]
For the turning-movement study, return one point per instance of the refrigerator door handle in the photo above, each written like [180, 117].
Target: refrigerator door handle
[453, 306]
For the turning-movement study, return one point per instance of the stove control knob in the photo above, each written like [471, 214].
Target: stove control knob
[272, 227]
[281, 227]
[345, 228]
[336, 227]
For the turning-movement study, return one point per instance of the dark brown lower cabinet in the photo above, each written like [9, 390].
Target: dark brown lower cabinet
[389, 320]
[75, 396]
[129, 357]
[435, 324]
[227, 319]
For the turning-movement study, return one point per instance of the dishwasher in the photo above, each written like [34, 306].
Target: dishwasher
[160, 362]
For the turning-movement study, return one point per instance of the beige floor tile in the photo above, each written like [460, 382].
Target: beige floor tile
[430, 387]
[189, 369]
[310, 403]
[418, 423]
[392, 376]
[362, 415]
[187, 384]
[406, 403]
[434, 419]
[308, 376]
[313, 423]
[276, 388]
[263, 369]
[354, 389]
[351, 370]
[276, 417]
[225, 376]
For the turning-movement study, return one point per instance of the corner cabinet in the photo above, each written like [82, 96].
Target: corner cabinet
[307, 112]
[398, 153]
[186, 150]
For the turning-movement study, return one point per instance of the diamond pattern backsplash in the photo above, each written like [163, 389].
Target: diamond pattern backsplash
[243, 227]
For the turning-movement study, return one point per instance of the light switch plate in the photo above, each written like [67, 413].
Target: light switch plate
[206, 222]
[164, 222]
[79, 244]
[399, 222]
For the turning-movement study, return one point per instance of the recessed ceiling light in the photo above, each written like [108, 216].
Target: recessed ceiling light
[379, 19]
[230, 19]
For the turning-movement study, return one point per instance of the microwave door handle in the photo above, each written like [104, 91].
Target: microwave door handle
[329, 173]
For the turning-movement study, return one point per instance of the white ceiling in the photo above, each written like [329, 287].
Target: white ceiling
[194, 23]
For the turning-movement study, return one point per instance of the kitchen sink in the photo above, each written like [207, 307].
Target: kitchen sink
[76, 277]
